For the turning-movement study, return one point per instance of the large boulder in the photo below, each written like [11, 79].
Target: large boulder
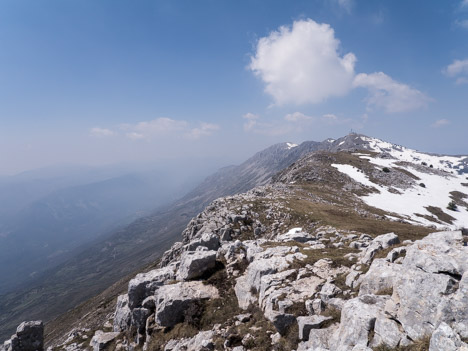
[145, 284]
[172, 300]
[194, 264]
[29, 337]
[357, 320]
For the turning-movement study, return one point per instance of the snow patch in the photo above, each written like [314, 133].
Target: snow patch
[291, 145]
[413, 200]
[294, 231]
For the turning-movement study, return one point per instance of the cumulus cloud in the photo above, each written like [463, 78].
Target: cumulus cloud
[458, 69]
[101, 132]
[390, 95]
[440, 123]
[301, 64]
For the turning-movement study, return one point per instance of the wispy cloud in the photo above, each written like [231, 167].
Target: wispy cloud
[346, 5]
[101, 132]
[205, 129]
[390, 95]
[440, 123]
[462, 23]
[458, 69]
[297, 117]
[162, 127]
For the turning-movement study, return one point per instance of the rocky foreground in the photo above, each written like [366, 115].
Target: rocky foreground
[242, 280]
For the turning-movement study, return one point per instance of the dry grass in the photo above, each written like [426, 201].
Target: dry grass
[418, 345]
[440, 214]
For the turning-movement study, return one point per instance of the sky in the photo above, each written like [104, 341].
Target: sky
[101, 82]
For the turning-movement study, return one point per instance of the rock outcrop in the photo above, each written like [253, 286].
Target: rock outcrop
[29, 336]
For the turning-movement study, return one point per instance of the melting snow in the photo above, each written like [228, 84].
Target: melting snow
[291, 145]
[414, 200]
[294, 231]
[401, 153]
[341, 143]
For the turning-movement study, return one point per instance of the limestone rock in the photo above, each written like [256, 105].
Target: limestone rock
[357, 320]
[29, 337]
[306, 324]
[172, 300]
[101, 340]
[123, 314]
[445, 339]
[203, 341]
[194, 264]
[145, 284]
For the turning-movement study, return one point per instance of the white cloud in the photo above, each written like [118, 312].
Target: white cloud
[204, 129]
[440, 123]
[297, 117]
[101, 132]
[464, 3]
[390, 95]
[458, 69]
[301, 64]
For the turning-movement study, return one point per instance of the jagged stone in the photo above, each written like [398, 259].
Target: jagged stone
[389, 333]
[194, 264]
[445, 339]
[387, 240]
[145, 284]
[29, 337]
[318, 339]
[203, 341]
[380, 277]
[306, 324]
[329, 291]
[395, 253]
[357, 320]
[139, 316]
[172, 300]
[208, 240]
[281, 321]
[122, 315]
[419, 297]
[101, 340]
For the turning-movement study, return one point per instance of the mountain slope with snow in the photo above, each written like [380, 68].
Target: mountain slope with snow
[437, 182]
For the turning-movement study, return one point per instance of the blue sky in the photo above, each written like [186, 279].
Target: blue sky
[94, 82]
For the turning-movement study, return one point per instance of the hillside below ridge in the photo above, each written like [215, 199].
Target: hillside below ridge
[309, 231]
[94, 267]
